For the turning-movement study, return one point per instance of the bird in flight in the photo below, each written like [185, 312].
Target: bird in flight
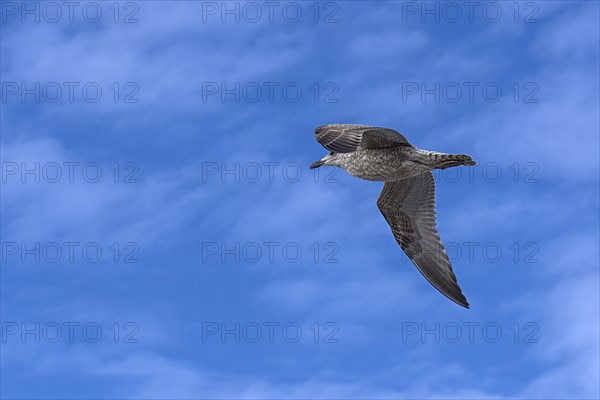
[407, 200]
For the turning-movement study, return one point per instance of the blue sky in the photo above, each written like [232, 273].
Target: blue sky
[209, 221]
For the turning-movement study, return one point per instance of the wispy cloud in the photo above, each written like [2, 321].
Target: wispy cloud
[372, 291]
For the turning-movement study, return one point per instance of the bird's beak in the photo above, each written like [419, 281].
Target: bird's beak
[322, 161]
[316, 164]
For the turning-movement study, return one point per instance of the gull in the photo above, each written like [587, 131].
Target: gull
[407, 200]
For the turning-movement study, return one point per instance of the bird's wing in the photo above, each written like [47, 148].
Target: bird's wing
[409, 208]
[343, 138]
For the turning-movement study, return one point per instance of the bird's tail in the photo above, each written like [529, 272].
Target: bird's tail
[437, 160]
[454, 160]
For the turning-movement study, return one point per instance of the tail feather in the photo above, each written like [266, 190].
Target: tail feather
[454, 160]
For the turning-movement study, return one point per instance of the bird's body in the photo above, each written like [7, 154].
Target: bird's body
[407, 200]
[381, 164]
[390, 164]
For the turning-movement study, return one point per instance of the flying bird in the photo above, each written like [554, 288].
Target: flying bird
[407, 200]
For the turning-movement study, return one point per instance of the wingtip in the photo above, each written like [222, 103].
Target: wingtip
[462, 301]
[321, 128]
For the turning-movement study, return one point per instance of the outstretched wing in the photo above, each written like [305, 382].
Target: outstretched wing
[409, 208]
[344, 138]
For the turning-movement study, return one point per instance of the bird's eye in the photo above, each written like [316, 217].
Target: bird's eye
[331, 153]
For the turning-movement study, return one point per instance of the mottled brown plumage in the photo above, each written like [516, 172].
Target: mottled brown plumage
[407, 200]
